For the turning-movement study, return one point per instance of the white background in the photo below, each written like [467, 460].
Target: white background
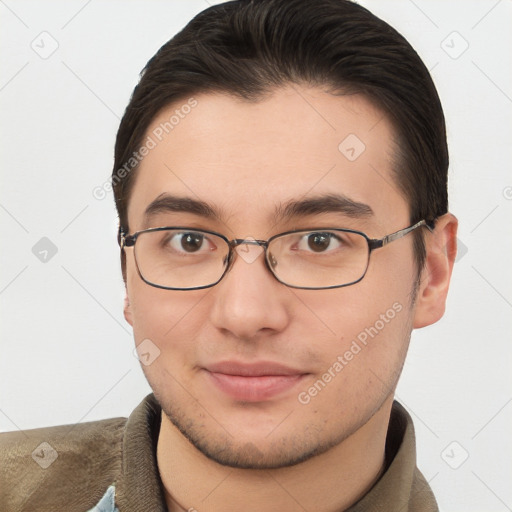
[66, 351]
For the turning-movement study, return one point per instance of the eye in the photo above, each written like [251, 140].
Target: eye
[189, 242]
[319, 242]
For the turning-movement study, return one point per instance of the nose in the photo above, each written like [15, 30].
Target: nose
[249, 301]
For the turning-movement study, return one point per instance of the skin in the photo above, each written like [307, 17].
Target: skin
[244, 159]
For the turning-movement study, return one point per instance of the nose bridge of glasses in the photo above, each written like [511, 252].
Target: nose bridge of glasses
[249, 249]
[249, 241]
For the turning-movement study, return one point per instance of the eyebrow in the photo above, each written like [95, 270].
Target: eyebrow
[165, 203]
[328, 203]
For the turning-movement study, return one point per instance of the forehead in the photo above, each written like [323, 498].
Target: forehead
[247, 158]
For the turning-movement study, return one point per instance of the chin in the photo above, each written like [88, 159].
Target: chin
[247, 443]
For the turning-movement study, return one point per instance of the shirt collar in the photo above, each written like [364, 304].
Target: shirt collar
[139, 487]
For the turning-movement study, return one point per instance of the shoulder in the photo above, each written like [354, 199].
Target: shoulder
[67, 467]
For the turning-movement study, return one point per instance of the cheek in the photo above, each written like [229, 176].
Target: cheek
[362, 362]
[348, 313]
[367, 326]
[168, 318]
[165, 327]
[370, 335]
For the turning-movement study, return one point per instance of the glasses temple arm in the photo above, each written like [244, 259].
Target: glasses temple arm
[376, 243]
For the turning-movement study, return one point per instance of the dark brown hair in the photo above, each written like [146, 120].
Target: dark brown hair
[249, 47]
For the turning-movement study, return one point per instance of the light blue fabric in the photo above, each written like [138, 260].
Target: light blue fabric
[107, 503]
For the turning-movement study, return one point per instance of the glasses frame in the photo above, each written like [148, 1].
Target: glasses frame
[126, 241]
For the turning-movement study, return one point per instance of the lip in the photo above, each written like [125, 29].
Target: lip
[254, 382]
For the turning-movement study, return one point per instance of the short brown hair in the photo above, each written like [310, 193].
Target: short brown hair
[249, 47]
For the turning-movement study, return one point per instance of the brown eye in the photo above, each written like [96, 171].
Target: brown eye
[192, 242]
[188, 242]
[319, 242]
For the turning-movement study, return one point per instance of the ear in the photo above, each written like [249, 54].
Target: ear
[441, 249]
[127, 310]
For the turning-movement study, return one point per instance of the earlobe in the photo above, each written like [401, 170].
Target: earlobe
[441, 249]
[127, 310]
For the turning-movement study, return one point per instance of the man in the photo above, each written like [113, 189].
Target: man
[280, 178]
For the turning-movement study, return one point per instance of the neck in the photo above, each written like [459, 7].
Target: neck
[329, 482]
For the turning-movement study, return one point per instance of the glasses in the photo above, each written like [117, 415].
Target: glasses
[180, 258]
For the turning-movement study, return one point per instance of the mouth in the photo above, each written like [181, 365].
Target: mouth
[255, 382]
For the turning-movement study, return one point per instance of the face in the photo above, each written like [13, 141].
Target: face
[252, 372]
